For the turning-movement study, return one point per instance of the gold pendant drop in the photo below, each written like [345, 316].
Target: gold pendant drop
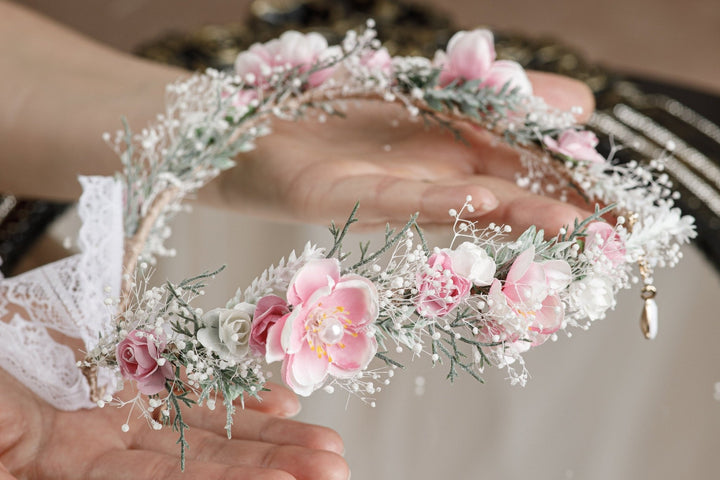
[649, 317]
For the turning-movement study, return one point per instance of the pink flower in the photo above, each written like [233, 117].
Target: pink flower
[293, 49]
[440, 288]
[268, 311]
[471, 56]
[531, 291]
[602, 237]
[512, 73]
[577, 145]
[139, 358]
[378, 60]
[328, 331]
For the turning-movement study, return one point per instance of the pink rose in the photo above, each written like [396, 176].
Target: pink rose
[603, 238]
[328, 331]
[440, 288]
[268, 311]
[139, 358]
[469, 56]
[292, 49]
[576, 145]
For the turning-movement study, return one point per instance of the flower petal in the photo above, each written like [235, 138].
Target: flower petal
[521, 265]
[558, 274]
[312, 276]
[304, 372]
[352, 355]
[274, 351]
[358, 297]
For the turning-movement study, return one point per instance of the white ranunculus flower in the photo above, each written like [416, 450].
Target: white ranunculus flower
[473, 263]
[227, 331]
[593, 295]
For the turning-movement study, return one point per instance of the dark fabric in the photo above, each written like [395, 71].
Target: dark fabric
[23, 225]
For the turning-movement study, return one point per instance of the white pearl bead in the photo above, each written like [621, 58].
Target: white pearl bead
[331, 331]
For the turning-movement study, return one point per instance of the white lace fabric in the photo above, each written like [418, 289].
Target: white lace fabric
[67, 296]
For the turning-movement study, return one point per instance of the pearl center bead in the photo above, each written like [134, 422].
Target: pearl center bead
[331, 331]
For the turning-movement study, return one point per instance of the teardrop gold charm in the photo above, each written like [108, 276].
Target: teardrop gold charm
[649, 319]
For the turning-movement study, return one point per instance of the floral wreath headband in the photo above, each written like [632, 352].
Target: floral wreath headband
[482, 300]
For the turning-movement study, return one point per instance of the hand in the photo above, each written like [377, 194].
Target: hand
[311, 171]
[40, 442]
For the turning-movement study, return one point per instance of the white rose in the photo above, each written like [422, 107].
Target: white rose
[227, 331]
[473, 263]
[593, 295]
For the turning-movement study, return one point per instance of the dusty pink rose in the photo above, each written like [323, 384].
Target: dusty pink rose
[603, 237]
[577, 145]
[378, 60]
[138, 357]
[292, 49]
[531, 291]
[268, 311]
[440, 287]
[328, 331]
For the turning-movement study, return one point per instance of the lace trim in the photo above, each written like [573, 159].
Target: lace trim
[67, 297]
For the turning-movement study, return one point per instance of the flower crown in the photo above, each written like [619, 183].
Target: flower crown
[485, 299]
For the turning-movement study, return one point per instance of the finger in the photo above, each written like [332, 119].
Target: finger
[517, 207]
[5, 474]
[257, 426]
[385, 197]
[141, 464]
[302, 463]
[278, 400]
[563, 93]
[521, 209]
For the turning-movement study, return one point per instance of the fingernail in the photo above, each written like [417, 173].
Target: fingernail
[296, 412]
[486, 204]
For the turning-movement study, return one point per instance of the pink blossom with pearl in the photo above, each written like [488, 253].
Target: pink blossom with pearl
[329, 331]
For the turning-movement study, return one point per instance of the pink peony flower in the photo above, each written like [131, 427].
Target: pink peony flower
[139, 358]
[531, 291]
[471, 56]
[268, 311]
[440, 288]
[604, 238]
[328, 331]
[292, 49]
[577, 145]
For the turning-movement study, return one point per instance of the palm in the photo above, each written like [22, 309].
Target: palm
[39, 442]
[394, 167]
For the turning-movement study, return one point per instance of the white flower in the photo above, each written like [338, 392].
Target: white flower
[473, 263]
[594, 295]
[227, 331]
